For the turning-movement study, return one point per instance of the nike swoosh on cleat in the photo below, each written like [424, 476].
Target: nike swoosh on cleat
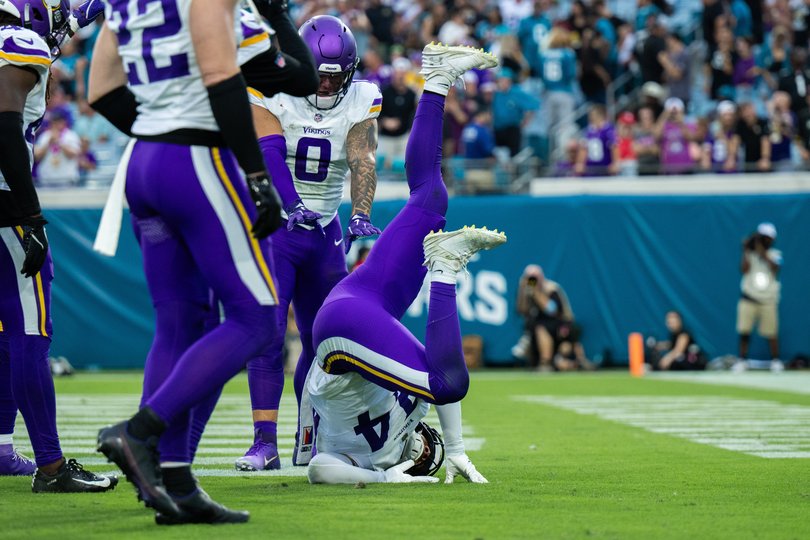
[269, 461]
[338, 242]
[97, 483]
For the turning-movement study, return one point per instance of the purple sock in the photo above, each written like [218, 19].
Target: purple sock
[266, 431]
[449, 378]
[34, 394]
[423, 155]
[8, 408]
[266, 382]
[199, 419]
[274, 150]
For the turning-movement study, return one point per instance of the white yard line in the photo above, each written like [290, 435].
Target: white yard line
[759, 428]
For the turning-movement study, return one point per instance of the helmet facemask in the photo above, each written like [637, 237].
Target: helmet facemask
[426, 448]
[335, 84]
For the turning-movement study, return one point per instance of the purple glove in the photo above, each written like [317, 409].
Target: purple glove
[85, 14]
[359, 225]
[298, 214]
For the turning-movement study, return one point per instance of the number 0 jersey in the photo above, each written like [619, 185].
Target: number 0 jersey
[361, 420]
[24, 48]
[316, 141]
[154, 41]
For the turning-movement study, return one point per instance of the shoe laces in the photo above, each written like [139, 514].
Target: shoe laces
[77, 469]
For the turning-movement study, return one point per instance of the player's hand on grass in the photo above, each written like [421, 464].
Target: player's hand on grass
[359, 225]
[461, 465]
[397, 474]
[268, 205]
[35, 245]
[298, 214]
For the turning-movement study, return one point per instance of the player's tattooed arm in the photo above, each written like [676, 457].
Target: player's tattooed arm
[361, 151]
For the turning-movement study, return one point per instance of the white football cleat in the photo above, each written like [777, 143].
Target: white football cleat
[443, 64]
[447, 253]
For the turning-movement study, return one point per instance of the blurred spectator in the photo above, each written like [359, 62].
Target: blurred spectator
[566, 165]
[514, 11]
[57, 152]
[679, 352]
[87, 160]
[720, 66]
[754, 138]
[456, 31]
[381, 16]
[533, 33]
[646, 10]
[491, 28]
[743, 21]
[776, 54]
[796, 81]
[597, 151]
[594, 77]
[782, 131]
[362, 255]
[720, 146]
[94, 127]
[433, 22]
[547, 314]
[477, 137]
[375, 70]
[761, 289]
[457, 112]
[396, 115]
[677, 71]
[511, 108]
[512, 57]
[625, 145]
[653, 96]
[558, 71]
[746, 72]
[646, 146]
[675, 138]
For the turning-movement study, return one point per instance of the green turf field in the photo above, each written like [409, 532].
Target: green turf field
[567, 456]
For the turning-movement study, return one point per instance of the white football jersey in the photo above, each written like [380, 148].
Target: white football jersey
[316, 141]
[154, 41]
[362, 420]
[24, 48]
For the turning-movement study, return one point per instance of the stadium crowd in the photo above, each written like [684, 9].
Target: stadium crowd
[598, 87]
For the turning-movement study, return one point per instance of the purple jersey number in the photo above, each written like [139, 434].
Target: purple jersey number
[31, 132]
[178, 63]
[324, 148]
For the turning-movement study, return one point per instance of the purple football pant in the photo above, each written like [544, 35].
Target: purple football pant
[358, 327]
[192, 214]
[25, 375]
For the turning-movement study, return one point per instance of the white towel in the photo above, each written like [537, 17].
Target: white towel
[109, 228]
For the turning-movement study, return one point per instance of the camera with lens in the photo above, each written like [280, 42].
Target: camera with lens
[752, 241]
[531, 282]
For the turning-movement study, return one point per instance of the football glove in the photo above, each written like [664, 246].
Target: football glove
[84, 14]
[268, 205]
[271, 8]
[462, 465]
[298, 214]
[35, 245]
[359, 225]
[397, 474]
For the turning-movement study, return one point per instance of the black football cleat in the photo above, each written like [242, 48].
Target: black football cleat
[199, 507]
[138, 460]
[72, 478]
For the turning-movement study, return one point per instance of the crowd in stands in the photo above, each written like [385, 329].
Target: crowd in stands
[592, 87]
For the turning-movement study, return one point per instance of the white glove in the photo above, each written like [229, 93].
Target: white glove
[397, 474]
[462, 465]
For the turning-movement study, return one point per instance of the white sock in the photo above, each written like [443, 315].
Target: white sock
[437, 85]
[450, 420]
[174, 465]
[6, 439]
[441, 272]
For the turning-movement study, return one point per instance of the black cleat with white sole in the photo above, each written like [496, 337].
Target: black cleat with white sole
[138, 460]
[199, 507]
[72, 478]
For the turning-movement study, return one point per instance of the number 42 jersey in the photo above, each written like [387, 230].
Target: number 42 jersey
[316, 141]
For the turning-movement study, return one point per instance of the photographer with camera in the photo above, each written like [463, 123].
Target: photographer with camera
[549, 322]
[760, 288]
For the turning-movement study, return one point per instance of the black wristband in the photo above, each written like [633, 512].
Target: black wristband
[231, 108]
[15, 164]
[120, 107]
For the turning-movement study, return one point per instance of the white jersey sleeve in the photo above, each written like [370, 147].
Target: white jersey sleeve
[316, 142]
[24, 48]
[253, 38]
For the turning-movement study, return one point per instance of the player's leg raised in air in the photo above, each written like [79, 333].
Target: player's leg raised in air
[358, 327]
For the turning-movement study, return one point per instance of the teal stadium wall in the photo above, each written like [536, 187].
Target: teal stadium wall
[623, 260]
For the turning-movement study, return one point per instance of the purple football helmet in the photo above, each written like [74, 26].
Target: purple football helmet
[45, 17]
[335, 51]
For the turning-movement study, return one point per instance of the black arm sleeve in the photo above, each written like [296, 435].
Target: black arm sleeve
[15, 166]
[296, 76]
[120, 107]
[231, 108]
